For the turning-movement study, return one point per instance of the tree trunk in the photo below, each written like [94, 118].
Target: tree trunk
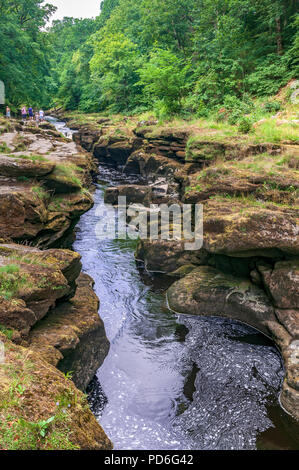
[279, 36]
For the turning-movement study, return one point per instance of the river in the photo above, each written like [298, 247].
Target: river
[171, 381]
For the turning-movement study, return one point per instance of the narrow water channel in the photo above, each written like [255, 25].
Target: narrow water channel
[174, 381]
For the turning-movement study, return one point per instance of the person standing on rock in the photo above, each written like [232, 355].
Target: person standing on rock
[41, 115]
[24, 113]
[30, 111]
[7, 112]
[37, 117]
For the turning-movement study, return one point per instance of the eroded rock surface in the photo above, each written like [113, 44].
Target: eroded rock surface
[48, 309]
[248, 266]
[34, 391]
[43, 179]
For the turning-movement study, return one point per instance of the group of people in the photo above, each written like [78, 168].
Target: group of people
[38, 116]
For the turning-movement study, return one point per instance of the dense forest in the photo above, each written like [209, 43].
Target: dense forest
[170, 56]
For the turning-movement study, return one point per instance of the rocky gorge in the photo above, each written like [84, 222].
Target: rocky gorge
[247, 269]
[50, 327]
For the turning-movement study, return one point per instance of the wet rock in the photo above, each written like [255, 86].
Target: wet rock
[167, 256]
[207, 291]
[183, 271]
[87, 137]
[279, 334]
[115, 149]
[134, 194]
[150, 165]
[289, 399]
[291, 354]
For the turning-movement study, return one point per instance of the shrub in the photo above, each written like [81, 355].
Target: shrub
[245, 126]
[269, 76]
[164, 80]
[272, 106]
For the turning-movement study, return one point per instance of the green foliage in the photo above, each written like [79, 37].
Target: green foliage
[8, 333]
[32, 158]
[40, 192]
[4, 148]
[245, 125]
[10, 280]
[270, 74]
[39, 428]
[173, 56]
[272, 106]
[114, 69]
[24, 51]
[163, 79]
[50, 434]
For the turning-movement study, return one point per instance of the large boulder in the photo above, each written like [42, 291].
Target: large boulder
[207, 291]
[134, 194]
[282, 283]
[236, 229]
[150, 165]
[29, 212]
[23, 212]
[167, 256]
[31, 282]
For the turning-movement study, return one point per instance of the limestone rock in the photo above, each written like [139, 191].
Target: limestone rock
[22, 213]
[207, 291]
[235, 230]
[167, 256]
[14, 314]
[134, 194]
[36, 280]
[24, 167]
[290, 320]
[72, 337]
[283, 284]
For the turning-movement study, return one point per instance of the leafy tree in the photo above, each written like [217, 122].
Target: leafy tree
[164, 78]
[114, 69]
[176, 55]
[24, 51]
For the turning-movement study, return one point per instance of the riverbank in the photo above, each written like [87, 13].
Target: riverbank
[248, 185]
[54, 340]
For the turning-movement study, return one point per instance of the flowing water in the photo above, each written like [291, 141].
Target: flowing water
[174, 381]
